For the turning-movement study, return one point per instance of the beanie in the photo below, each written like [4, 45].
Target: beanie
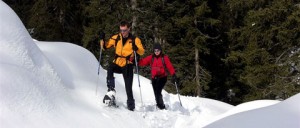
[157, 46]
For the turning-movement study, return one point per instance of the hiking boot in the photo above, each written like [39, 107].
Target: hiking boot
[161, 106]
[160, 102]
[130, 105]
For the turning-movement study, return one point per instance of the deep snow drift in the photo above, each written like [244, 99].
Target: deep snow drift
[55, 84]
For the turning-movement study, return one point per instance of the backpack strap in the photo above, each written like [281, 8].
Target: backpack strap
[133, 43]
[162, 59]
[133, 40]
[117, 39]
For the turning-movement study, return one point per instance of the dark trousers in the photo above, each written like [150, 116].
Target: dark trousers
[127, 72]
[158, 85]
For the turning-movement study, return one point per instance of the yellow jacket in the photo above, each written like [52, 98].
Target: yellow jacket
[124, 53]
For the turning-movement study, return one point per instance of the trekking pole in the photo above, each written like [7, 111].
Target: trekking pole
[137, 70]
[100, 55]
[178, 93]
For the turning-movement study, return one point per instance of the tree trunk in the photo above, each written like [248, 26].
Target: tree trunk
[197, 67]
[156, 38]
[133, 7]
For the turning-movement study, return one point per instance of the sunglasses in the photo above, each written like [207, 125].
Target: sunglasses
[124, 30]
[156, 50]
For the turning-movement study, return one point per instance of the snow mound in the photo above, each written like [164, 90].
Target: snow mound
[285, 114]
[27, 80]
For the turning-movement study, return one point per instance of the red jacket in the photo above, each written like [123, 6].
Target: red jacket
[157, 66]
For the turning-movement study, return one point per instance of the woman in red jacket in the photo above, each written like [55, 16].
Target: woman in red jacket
[159, 64]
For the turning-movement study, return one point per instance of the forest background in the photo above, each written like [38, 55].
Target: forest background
[229, 50]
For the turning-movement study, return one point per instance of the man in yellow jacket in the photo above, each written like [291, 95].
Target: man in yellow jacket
[125, 44]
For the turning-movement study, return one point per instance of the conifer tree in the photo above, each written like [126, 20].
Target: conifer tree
[267, 31]
[21, 7]
[57, 20]
[197, 29]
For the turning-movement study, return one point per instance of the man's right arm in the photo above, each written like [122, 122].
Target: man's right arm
[111, 42]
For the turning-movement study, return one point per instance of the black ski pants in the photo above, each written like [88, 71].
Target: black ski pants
[158, 85]
[127, 72]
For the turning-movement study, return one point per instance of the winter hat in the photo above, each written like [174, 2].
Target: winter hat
[157, 46]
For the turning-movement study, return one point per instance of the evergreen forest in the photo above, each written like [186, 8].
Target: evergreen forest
[229, 50]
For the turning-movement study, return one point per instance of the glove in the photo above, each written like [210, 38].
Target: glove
[134, 47]
[101, 35]
[174, 79]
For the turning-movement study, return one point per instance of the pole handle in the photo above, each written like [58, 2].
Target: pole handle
[101, 43]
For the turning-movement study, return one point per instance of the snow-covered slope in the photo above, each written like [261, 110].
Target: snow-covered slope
[78, 69]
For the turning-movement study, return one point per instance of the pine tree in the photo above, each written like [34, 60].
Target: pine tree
[56, 20]
[197, 33]
[263, 35]
[21, 7]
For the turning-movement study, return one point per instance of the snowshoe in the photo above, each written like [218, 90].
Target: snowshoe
[109, 99]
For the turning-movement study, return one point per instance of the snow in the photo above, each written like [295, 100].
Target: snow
[56, 84]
